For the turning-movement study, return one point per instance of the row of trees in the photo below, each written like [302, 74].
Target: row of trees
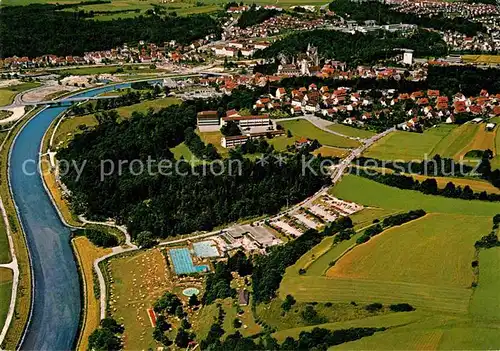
[40, 29]
[269, 269]
[428, 186]
[198, 147]
[316, 339]
[385, 14]
[388, 222]
[356, 49]
[100, 238]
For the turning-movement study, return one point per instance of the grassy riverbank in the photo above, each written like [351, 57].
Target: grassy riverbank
[23, 301]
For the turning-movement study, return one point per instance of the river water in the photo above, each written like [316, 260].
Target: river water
[57, 297]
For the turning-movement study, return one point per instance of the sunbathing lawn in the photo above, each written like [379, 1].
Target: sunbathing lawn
[139, 279]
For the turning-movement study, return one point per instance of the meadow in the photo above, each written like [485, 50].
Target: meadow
[371, 193]
[5, 293]
[303, 128]
[330, 151]
[488, 59]
[7, 94]
[408, 146]
[485, 301]
[183, 151]
[351, 131]
[4, 244]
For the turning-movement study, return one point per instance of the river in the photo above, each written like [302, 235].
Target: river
[56, 304]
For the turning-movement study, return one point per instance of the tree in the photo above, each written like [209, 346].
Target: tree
[193, 300]
[146, 240]
[168, 303]
[112, 325]
[230, 129]
[185, 324]
[179, 312]
[309, 314]
[237, 323]
[288, 303]
[182, 338]
[104, 339]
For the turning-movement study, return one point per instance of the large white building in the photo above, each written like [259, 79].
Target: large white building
[248, 121]
[208, 118]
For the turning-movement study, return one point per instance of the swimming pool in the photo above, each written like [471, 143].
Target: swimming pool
[183, 263]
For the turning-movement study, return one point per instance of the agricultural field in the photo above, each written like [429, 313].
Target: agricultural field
[453, 144]
[488, 59]
[157, 104]
[86, 253]
[426, 263]
[330, 151]
[408, 146]
[371, 193]
[7, 94]
[485, 300]
[5, 293]
[351, 131]
[137, 281]
[427, 241]
[303, 128]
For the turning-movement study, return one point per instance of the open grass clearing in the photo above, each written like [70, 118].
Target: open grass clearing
[371, 193]
[6, 277]
[351, 131]
[182, 151]
[86, 254]
[7, 94]
[443, 246]
[209, 313]
[4, 244]
[214, 139]
[144, 106]
[138, 280]
[408, 146]
[281, 142]
[303, 128]
[70, 127]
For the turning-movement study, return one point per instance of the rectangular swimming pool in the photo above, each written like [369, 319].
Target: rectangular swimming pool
[183, 263]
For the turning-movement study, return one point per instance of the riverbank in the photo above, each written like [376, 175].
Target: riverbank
[24, 287]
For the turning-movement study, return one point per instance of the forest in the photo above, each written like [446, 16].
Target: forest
[124, 177]
[356, 49]
[252, 17]
[41, 29]
[384, 14]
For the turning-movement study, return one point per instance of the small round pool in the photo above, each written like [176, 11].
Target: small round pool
[190, 291]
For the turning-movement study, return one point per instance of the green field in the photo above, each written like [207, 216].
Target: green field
[303, 128]
[426, 263]
[351, 131]
[5, 293]
[371, 193]
[7, 94]
[456, 141]
[486, 300]
[408, 146]
[126, 111]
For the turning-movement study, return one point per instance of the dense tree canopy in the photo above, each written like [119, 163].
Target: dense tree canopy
[253, 16]
[384, 14]
[357, 48]
[36, 29]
